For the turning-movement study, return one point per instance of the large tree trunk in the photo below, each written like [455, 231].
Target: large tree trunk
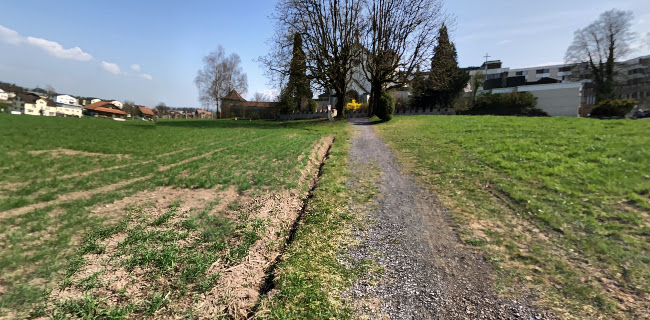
[375, 96]
[340, 104]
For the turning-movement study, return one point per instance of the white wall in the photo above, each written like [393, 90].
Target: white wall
[69, 111]
[66, 99]
[557, 99]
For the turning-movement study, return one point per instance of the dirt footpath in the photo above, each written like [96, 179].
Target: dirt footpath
[427, 272]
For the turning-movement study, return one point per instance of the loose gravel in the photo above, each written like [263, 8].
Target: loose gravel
[427, 272]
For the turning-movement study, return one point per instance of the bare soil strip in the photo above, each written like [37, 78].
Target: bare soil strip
[81, 194]
[70, 197]
[15, 185]
[59, 152]
[238, 288]
[428, 272]
[205, 155]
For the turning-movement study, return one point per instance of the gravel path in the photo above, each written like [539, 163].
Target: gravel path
[428, 273]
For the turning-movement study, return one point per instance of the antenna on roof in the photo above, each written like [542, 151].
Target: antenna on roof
[486, 60]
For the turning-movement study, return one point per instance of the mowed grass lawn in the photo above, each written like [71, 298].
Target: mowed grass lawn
[560, 205]
[53, 171]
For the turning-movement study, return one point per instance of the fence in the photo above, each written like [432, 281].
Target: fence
[362, 113]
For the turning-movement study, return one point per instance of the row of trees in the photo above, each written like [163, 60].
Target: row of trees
[384, 40]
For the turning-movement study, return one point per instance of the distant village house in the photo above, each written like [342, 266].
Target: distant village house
[104, 109]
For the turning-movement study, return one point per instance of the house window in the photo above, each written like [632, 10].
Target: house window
[565, 69]
[540, 71]
[519, 73]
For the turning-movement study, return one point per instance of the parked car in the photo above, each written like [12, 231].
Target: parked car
[639, 114]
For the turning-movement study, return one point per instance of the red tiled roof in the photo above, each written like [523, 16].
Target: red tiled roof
[108, 110]
[146, 111]
[96, 105]
[233, 95]
[203, 111]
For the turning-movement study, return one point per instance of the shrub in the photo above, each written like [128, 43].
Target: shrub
[312, 105]
[613, 108]
[287, 103]
[506, 104]
[386, 107]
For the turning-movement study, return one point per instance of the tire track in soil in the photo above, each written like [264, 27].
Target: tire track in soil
[76, 195]
[15, 185]
[428, 272]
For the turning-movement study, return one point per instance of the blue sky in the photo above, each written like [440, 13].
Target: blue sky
[150, 51]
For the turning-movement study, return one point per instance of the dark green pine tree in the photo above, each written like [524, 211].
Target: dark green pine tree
[446, 80]
[298, 85]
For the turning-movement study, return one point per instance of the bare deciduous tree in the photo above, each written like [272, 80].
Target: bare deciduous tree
[600, 44]
[398, 36]
[50, 91]
[261, 97]
[330, 31]
[220, 75]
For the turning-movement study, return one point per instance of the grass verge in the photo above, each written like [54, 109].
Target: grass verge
[559, 205]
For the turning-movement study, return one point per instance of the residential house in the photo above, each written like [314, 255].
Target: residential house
[203, 114]
[68, 106]
[4, 96]
[104, 109]
[117, 104]
[68, 110]
[146, 113]
[66, 99]
[32, 104]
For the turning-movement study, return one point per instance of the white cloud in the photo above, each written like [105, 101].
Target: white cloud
[111, 67]
[54, 48]
[135, 67]
[147, 76]
[57, 50]
[10, 36]
[502, 42]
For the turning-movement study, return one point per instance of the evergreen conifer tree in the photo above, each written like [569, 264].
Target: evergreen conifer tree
[446, 80]
[298, 85]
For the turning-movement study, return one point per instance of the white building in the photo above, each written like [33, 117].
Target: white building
[66, 99]
[68, 106]
[3, 95]
[67, 110]
[95, 100]
[117, 104]
[31, 104]
[556, 99]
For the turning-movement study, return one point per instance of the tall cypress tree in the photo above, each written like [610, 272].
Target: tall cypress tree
[298, 85]
[446, 80]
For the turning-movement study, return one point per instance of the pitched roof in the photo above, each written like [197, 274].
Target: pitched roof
[146, 110]
[96, 105]
[233, 95]
[50, 102]
[108, 110]
[203, 111]
[28, 97]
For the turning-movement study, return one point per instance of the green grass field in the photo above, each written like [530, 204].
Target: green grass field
[561, 206]
[102, 219]
[61, 185]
